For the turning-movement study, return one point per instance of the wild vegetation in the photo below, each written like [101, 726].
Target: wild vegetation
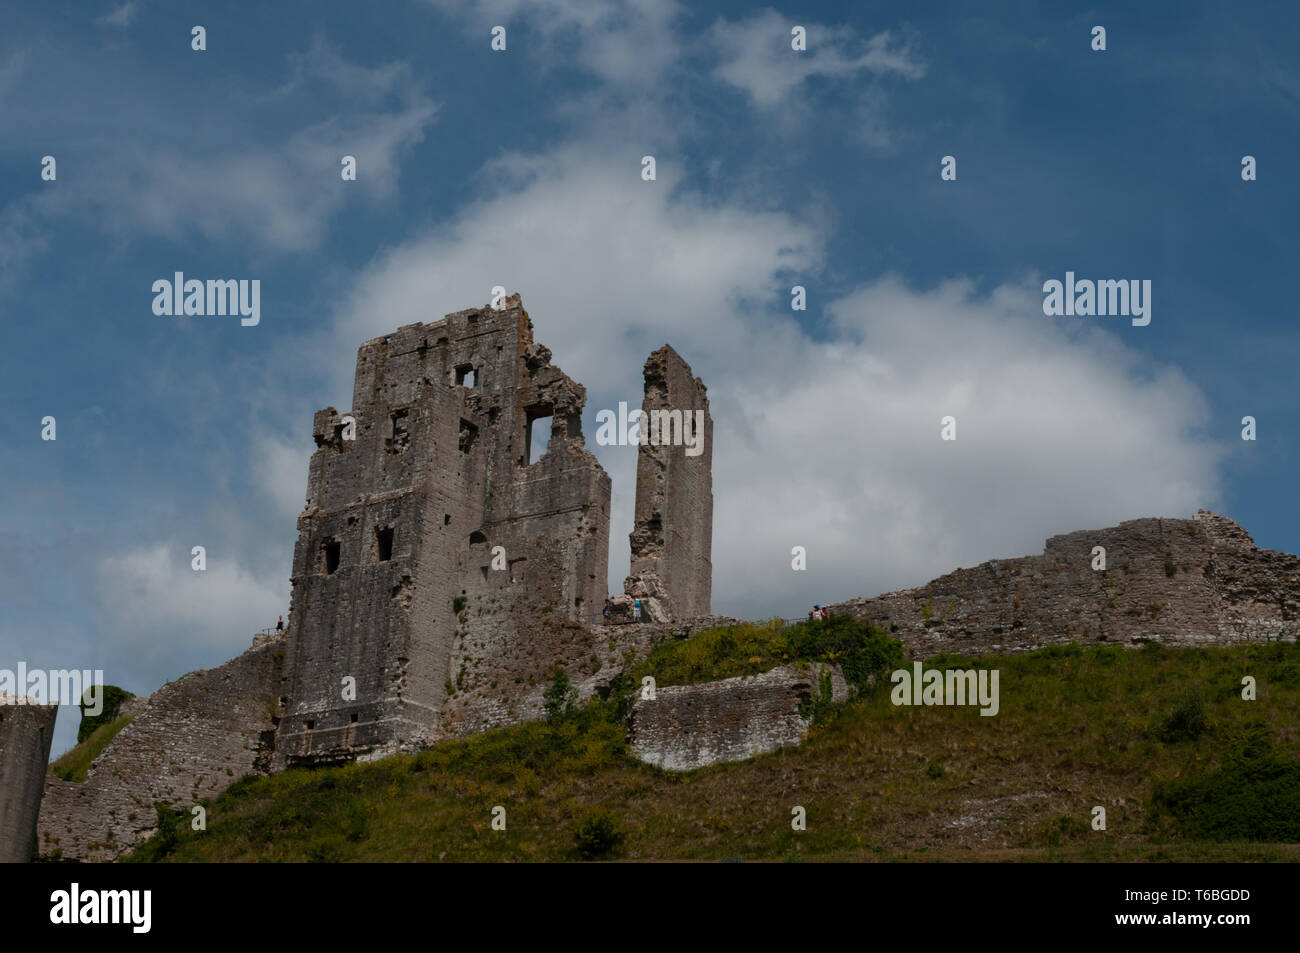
[73, 764]
[1158, 736]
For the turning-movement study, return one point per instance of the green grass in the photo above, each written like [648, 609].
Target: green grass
[751, 647]
[1077, 728]
[74, 763]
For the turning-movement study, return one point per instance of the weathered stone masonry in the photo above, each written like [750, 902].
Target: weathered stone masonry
[402, 522]
[26, 731]
[409, 494]
[692, 726]
[1198, 581]
[195, 736]
[672, 541]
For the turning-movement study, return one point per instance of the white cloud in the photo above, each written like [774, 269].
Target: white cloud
[623, 42]
[275, 191]
[1058, 428]
[609, 268]
[280, 468]
[121, 16]
[610, 264]
[834, 443]
[279, 195]
[163, 607]
[758, 59]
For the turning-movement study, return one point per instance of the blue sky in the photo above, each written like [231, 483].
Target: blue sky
[522, 168]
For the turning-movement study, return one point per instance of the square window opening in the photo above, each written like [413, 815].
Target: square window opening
[468, 434]
[331, 550]
[537, 433]
[383, 543]
[399, 437]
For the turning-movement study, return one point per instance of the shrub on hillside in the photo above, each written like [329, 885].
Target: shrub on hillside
[560, 697]
[1186, 722]
[859, 648]
[113, 698]
[597, 836]
[862, 651]
[1064, 829]
[1255, 800]
[171, 826]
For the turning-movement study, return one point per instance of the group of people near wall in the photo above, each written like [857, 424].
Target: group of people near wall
[635, 611]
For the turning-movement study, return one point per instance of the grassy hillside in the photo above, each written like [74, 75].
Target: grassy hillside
[73, 764]
[1160, 737]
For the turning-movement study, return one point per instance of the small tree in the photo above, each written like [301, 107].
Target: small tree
[598, 835]
[560, 697]
[112, 698]
[1186, 722]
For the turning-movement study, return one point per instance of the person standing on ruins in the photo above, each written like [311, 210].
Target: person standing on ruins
[636, 611]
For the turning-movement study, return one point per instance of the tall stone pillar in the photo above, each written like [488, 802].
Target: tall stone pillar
[26, 731]
[672, 539]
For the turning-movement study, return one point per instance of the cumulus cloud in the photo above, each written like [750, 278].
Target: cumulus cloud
[756, 56]
[1059, 427]
[280, 468]
[831, 442]
[161, 606]
[610, 263]
[609, 268]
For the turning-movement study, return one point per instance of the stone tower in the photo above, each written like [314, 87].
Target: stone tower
[409, 496]
[672, 538]
[26, 731]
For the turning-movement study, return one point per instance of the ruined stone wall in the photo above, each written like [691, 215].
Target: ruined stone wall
[507, 657]
[194, 738]
[1179, 581]
[691, 726]
[672, 537]
[26, 731]
[443, 416]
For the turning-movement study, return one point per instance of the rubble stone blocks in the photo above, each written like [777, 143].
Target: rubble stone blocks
[192, 740]
[26, 731]
[393, 583]
[672, 539]
[1191, 582]
[692, 726]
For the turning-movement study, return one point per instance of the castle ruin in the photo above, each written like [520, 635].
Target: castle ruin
[26, 731]
[435, 554]
[671, 569]
[441, 574]
[444, 568]
[1181, 582]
